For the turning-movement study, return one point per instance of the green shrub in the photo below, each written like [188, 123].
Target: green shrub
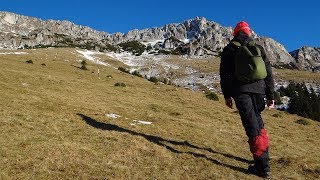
[122, 69]
[135, 47]
[177, 51]
[278, 115]
[120, 84]
[84, 65]
[111, 47]
[303, 122]
[303, 102]
[277, 98]
[149, 47]
[212, 96]
[174, 39]
[29, 61]
[136, 73]
[153, 79]
[165, 81]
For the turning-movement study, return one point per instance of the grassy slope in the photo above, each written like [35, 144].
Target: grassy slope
[54, 125]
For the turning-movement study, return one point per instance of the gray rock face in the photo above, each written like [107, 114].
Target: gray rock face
[16, 31]
[307, 58]
[276, 52]
[195, 37]
[198, 35]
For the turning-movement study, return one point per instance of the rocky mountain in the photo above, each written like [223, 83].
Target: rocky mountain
[307, 58]
[18, 31]
[194, 37]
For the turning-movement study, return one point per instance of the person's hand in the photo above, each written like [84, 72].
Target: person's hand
[229, 102]
[270, 104]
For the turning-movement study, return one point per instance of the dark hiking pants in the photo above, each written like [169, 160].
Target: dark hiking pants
[250, 106]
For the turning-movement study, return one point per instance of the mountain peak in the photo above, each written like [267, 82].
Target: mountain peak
[196, 36]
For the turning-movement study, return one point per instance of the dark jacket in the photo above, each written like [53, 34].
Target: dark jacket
[230, 85]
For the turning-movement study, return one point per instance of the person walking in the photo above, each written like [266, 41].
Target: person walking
[249, 96]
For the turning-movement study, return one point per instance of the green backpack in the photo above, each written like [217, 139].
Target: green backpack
[249, 65]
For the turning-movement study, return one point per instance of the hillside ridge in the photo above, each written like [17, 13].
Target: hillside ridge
[61, 122]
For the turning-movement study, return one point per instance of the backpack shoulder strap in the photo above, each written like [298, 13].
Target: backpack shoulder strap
[245, 48]
[236, 43]
[252, 43]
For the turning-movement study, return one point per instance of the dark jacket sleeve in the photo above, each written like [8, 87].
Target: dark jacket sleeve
[269, 81]
[227, 71]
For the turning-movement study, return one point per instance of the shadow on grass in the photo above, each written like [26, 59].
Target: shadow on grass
[161, 142]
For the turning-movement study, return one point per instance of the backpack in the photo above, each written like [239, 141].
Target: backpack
[249, 65]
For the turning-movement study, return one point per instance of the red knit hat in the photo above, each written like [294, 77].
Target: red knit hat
[241, 26]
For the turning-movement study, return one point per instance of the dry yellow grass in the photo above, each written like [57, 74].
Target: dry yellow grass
[297, 76]
[54, 126]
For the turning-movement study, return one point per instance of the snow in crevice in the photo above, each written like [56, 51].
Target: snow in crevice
[185, 41]
[152, 43]
[89, 55]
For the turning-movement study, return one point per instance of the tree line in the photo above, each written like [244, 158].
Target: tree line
[303, 101]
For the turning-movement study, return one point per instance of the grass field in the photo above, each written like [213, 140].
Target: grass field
[54, 125]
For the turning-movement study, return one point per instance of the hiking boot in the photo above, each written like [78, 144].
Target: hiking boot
[266, 175]
[253, 170]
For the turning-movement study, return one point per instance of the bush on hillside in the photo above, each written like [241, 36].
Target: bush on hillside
[29, 61]
[277, 98]
[120, 84]
[303, 122]
[135, 47]
[149, 47]
[136, 73]
[177, 51]
[277, 115]
[212, 96]
[302, 102]
[122, 69]
[84, 65]
[153, 79]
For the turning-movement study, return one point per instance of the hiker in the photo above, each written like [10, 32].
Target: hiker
[248, 93]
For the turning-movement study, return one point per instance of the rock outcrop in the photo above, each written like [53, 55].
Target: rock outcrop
[17, 31]
[307, 58]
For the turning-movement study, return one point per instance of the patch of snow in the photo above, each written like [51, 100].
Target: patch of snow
[135, 122]
[136, 61]
[185, 41]
[285, 103]
[25, 84]
[89, 55]
[152, 43]
[314, 86]
[280, 83]
[112, 115]
[17, 53]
